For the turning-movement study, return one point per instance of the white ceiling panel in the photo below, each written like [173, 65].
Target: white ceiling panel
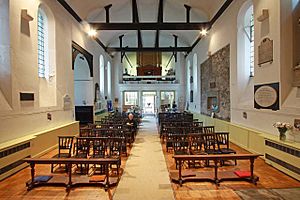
[121, 11]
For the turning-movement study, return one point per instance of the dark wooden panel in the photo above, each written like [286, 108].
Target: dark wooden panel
[151, 26]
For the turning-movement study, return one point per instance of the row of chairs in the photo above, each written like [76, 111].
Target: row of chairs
[100, 147]
[200, 143]
[107, 138]
[174, 117]
[195, 127]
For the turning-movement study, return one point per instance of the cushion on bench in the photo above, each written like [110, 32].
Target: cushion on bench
[42, 178]
[243, 174]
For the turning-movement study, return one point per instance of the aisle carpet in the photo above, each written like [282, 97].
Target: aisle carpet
[145, 175]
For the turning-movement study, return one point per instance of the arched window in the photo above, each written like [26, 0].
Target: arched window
[188, 83]
[109, 80]
[46, 54]
[245, 54]
[102, 77]
[43, 57]
[249, 43]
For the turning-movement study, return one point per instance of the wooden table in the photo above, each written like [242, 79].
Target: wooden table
[59, 180]
[215, 176]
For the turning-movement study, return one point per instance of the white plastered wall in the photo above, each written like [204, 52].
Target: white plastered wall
[28, 117]
[224, 32]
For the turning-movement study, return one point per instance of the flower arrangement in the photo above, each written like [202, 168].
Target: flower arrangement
[283, 125]
[282, 128]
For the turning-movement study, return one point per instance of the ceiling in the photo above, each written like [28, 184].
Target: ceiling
[121, 12]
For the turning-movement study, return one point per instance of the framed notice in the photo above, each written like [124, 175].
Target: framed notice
[266, 96]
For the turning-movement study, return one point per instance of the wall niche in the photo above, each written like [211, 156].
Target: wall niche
[215, 85]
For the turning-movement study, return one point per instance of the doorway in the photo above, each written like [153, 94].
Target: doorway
[149, 102]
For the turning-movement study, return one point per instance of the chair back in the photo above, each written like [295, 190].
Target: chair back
[196, 142]
[99, 147]
[82, 147]
[65, 143]
[223, 139]
[210, 142]
[115, 147]
[85, 132]
[208, 129]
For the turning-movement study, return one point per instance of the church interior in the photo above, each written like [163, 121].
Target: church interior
[150, 99]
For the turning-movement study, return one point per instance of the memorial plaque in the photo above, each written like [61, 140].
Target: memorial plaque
[265, 51]
[67, 102]
[266, 96]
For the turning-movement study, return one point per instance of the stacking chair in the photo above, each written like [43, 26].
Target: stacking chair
[64, 148]
[85, 132]
[99, 151]
[98, 132]
[211, 144]
[223, 142]
[82, 150]
[115, 150]
[197, 146]
[180, 145]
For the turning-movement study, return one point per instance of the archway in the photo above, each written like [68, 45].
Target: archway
[83, 83]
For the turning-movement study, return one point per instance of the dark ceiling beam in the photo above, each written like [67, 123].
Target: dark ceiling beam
[135, 19]
[175, 44]
[160, 19]
[151, 26]
[74, 14]
[188, 11]
[213, 20]
[70, 10]
[160, 49]
[107, 12]
[220, 11]
[100, 43]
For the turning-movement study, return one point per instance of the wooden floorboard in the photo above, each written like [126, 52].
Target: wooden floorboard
[14, 186]
[269, 178]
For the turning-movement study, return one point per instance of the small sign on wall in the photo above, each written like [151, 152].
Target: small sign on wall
[266, 96]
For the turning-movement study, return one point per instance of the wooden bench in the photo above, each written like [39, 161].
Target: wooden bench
[214, 176]
[61, 180]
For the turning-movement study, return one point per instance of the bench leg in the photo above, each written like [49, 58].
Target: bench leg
[216, 173]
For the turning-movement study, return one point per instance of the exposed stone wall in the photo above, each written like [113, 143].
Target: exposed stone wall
[215, 84]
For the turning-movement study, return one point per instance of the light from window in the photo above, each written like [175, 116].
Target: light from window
[251, 46]
[41, 45]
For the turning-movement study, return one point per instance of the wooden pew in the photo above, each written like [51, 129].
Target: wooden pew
[215, 176]
[61, 180]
